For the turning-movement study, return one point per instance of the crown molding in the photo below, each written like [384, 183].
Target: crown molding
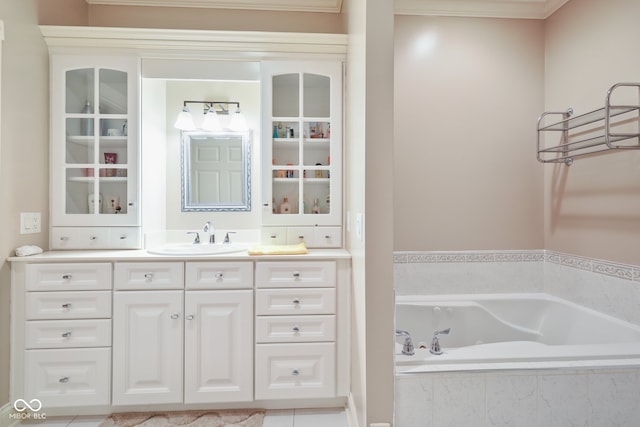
[523, 9]
[196, 44]
[323, 6]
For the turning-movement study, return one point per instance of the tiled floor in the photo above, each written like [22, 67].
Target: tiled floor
[335, 417]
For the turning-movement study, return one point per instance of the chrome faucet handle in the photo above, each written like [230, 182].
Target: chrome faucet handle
[197, 239]
[226, 238]
[407, 347]
[435, 342]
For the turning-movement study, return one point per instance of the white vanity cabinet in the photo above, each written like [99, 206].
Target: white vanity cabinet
[109, 331]
[94, 152]
[302, 163]
[67, 334]
[183, 341]
[295, 330]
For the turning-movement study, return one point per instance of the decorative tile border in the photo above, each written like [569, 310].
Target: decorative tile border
[622, 271]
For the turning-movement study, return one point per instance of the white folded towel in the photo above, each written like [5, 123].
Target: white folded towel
[28, 250]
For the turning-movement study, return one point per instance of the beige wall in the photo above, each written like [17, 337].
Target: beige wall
[369, 191]
[24, 154]
[592, 208]
[77, 12]
[467, 95]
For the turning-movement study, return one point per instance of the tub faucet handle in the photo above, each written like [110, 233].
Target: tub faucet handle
[407, 347]
[435, 342]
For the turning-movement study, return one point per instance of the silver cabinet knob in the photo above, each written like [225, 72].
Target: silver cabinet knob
[174, 316]
[148, 276]
[66, 276]
[190, 317]
[66, 334]
[296, 301]
[296, 328]
[295, 372]
[93, 238]
[66, 305]
[64, 238]
[219, 276]
[296, 274]
[64, 380]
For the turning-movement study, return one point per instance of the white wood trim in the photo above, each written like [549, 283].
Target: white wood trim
[329, 6]
[166, 43]
[526, 9]
[350, 409]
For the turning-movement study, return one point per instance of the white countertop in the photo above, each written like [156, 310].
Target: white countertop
[143, 255]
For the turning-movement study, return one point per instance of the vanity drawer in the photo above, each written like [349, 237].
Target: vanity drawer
[148, 275]
[295, 301]
[73, 377]
[293, 371]
[68, 305]
[219, 275]
[295, 274]
[68, 333]
[67, 277]
[272, 329]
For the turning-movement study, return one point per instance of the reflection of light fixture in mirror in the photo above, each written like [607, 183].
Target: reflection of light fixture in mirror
[211, 121]
[185, 120]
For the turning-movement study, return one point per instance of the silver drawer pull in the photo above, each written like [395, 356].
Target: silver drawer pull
[174, 316]
[301, 237]
[296, 328]
[123, 237]
[327, 237]
[93, 238]
[295, 372]
[190, 317]
[66, 334]
[66, 305]
[219, 276]
[296, 301]
[274, 236]
[64, 380]
[148, 276]
[64, 238]
[66, 276]
[296, 274]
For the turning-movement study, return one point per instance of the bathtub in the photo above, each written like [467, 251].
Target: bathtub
[511, 331]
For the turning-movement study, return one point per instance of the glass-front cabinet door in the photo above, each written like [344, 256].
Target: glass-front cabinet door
[303, 150]
[94, 144]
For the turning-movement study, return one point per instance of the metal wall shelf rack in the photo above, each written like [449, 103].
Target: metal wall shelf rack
[562, 137]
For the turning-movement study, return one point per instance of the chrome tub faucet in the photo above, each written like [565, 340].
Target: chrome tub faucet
[407, 347]
[435, 342]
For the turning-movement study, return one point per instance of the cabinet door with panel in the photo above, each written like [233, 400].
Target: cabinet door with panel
[94, 151]
[302, 167]
[218, 346]
[147, 347]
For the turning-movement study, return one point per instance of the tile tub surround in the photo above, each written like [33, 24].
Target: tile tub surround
[605, 286]
[519, 398]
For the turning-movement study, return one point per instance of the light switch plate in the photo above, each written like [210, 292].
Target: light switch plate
[30, 222]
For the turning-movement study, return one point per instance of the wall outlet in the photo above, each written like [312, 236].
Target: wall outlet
[30, 222]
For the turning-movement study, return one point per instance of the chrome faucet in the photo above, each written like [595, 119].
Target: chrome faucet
[435, 342]
[209, 230]
[407, 347]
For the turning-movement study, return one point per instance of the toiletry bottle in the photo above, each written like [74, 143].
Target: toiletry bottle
[316, 208]
[285, 208]
[275, 131]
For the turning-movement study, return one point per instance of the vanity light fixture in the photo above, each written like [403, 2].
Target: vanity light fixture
[211, 121]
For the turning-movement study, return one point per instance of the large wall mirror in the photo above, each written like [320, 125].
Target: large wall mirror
[216, 171]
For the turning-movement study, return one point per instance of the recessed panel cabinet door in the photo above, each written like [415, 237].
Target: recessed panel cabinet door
[218, 346]
[147, 347]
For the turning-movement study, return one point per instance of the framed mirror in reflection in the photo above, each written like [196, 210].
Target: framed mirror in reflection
[216, 171]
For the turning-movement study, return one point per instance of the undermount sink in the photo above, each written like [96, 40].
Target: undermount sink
[197, 249]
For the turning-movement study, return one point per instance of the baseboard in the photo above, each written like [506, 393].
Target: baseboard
[350, 409]
[5, 420]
